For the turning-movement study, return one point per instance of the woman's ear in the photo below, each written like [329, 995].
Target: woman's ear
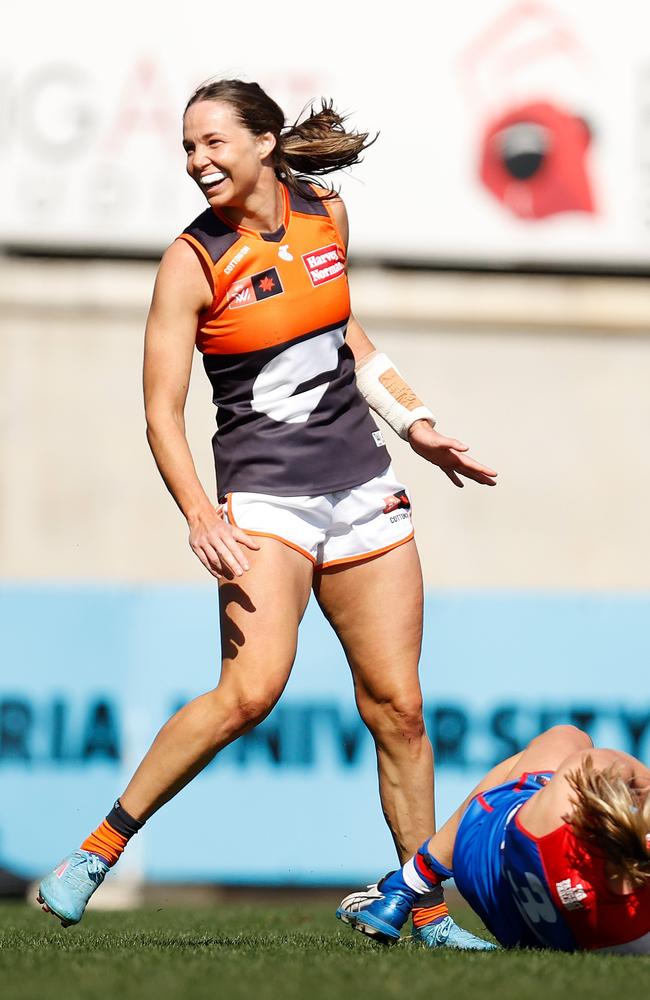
[266, 143]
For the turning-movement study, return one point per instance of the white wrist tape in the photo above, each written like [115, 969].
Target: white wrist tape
[386, 392]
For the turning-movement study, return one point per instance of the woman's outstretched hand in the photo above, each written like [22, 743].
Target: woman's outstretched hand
[218, 545]
[449, 454]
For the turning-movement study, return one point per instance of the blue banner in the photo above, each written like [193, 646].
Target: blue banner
[87, 677]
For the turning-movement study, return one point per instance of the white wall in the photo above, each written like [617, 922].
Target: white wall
[550, 389]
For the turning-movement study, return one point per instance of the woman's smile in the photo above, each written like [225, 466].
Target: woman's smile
[211, 179]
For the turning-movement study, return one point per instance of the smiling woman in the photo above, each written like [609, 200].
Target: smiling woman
[319, 144]
[307, 496]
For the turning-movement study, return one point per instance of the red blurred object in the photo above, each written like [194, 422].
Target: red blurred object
[534, 161]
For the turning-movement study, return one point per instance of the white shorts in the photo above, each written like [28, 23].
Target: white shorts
[335, 528]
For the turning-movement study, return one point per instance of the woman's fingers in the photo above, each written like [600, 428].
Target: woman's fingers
[484, 470]
[454, 478]
[220, 552]
[452, 443]
[477, 477]
[232, 556]
[207, 562]
[245, 539]
[465, 466]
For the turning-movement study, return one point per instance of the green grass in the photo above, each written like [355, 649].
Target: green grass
[273, 952]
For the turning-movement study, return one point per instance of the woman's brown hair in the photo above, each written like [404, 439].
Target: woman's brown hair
[610, 813]
[316, 145]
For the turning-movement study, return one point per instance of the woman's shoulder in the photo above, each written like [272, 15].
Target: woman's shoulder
[309, 198]
[181, 276]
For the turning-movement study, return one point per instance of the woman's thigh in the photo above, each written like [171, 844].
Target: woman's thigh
[548, 750]
[375, 607]
[260, 613]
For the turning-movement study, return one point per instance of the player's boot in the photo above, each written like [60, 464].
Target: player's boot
[66, 890]
[446, 933]
[359, 900]
[383, 918]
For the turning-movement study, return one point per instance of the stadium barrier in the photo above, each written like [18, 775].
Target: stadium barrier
[90, 674]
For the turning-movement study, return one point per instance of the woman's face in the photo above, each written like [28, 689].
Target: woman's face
[223, 157]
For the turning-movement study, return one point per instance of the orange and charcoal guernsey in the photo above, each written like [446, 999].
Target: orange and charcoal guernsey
[290, 419]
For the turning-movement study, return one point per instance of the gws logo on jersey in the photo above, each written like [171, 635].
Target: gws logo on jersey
[397, 500]
[253, 289]
[284, 253]
[324, 264]
[290, 387]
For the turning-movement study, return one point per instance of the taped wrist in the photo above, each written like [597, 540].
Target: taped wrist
[386, 392]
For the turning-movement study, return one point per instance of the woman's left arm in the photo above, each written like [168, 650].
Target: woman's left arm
[448, 454]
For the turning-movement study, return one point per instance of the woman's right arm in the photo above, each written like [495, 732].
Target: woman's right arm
[181, 293]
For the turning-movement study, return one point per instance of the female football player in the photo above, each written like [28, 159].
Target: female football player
[551, 850]
[307, 495]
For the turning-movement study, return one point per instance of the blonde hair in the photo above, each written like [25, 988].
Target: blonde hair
[611, 814]
[318, 144]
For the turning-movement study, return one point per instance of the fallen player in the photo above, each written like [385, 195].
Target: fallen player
[551, 850]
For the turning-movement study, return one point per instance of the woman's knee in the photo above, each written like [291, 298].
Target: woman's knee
[569, 738]
[398, 717]
[245, 707]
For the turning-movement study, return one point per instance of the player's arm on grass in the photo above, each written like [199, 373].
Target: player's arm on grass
[180, 294]
[389, 395]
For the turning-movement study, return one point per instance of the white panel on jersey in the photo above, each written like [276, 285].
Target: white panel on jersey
[274, 388]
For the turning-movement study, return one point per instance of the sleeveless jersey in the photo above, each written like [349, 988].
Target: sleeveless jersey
[290, 419]
[561, 889]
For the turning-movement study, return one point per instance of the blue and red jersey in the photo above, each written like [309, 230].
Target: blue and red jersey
[542, 892]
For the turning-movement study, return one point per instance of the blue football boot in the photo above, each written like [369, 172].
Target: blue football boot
[358, 900]
[66, 890]
[446, 933]
[381, 919]
[381, 914]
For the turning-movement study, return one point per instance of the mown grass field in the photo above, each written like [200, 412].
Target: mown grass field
[277, 952]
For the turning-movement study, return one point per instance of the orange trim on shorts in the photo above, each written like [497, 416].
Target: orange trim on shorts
[268, 534]
[366, 555]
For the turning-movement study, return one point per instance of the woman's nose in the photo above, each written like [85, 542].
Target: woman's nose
[201, 158]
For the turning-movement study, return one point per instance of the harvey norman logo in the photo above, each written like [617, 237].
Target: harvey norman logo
[324, 264]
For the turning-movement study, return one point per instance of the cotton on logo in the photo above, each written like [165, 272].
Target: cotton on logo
[276, 390]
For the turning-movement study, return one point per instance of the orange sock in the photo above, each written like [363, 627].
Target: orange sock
[423, 915]
[106, 841]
